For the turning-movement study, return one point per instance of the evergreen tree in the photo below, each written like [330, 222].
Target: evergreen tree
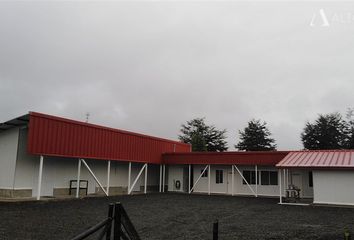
[256, 137]
[329, 131]
[203, 137]
[350, 129]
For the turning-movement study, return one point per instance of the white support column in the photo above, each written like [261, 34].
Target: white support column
[108, 176]
[244, 179]
[40, 177]
[146, 177]
[94, 176]
[232, 180]
[129, 174]
[189, 177]
[284, 177]
[78, 179]
[287, 178]
[160, 183]
[280, 187]
[163, 177]
[137, 178]
[256, 170]
[209, 177]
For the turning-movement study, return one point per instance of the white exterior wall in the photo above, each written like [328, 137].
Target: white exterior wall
[333, 187]
[202, 185]
[175, 172]
[57, 172]
[8, 153]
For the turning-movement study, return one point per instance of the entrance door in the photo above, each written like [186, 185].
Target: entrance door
[297, 182]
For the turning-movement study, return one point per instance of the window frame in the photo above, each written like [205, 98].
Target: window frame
[205, 174]
[250, 176]
[219, 176]
[269, 178]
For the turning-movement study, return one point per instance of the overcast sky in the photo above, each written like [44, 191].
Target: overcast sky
[151, 66]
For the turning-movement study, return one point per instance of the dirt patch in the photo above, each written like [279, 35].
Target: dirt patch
[177, 216]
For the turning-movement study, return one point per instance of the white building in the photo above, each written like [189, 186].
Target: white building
[43, 155]
[233, 173]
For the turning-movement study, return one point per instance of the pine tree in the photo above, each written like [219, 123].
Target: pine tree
[203, 137]
[350, 129]
[329, 131]
[256, 137]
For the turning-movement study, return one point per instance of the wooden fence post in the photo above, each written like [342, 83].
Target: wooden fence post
[109, 226]
[215, 230]
[117, 220]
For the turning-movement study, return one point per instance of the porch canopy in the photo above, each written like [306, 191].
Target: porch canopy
[339, 159]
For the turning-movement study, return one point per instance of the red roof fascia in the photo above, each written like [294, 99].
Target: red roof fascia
[269, 158]
[54, 136]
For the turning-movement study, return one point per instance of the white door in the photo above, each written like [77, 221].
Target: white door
[297, 182]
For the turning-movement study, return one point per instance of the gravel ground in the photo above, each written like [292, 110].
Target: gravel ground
[177, 216]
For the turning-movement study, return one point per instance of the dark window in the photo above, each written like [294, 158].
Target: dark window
[269, 178]
[310, 179]
[264, 177]
[219, 176]
[205, 174]
[250, 177]
[273, 178]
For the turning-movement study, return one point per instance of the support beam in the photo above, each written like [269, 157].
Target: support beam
[206, 167]
[40, 177]
[256, 170]
[78, 178]
[160, 183]
[129, 174]
[146, 177]
[94, 176]
[287, 178]
[280, 187]
[284, 177]
[163, 177]
[209, 177]
[137, 178]
[244, 179]
[232, 180]
[108, 176]
[189, 177]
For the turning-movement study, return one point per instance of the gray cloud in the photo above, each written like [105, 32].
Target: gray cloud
[150, 66]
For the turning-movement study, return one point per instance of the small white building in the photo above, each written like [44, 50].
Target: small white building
[330, 173]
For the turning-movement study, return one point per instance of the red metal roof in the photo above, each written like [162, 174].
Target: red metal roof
[226, 158]
[55, 136]
[319, 159]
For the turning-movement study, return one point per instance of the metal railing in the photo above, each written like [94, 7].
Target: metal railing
[116, 226]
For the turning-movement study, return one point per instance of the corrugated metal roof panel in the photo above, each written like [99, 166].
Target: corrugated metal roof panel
[54, 136]
[269, 158]
[319, 159]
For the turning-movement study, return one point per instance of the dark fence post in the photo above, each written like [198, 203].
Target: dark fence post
[117, 221]
[215, 230]
[110, 217]
[346, 234]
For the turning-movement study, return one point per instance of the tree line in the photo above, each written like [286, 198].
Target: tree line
[328, 131]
